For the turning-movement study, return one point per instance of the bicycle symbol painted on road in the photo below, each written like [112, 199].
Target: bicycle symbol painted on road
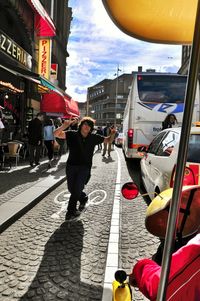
[95, 197]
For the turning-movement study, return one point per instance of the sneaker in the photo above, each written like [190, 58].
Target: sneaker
[83, 203]
[81, 207]
[71, 215]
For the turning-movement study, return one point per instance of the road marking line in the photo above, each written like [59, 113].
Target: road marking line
[100, 196]
[112, 261]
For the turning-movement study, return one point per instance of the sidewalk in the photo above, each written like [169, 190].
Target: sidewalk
[23, 186]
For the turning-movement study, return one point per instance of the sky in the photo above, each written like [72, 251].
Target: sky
[97, 47]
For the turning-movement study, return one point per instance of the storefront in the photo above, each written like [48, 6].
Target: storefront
[14, 89]
[16, 93]
[26, 37]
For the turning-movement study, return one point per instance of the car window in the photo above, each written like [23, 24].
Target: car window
[194, 148]
[167, 144]
[153, 146]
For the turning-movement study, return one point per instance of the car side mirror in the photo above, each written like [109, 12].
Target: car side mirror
[142, 149]
[130, 190]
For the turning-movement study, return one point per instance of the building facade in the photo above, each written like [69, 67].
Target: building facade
[82, 108]
[106, 100]
[185, 58]
[33, 54]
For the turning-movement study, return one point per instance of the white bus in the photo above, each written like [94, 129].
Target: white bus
[151, 98]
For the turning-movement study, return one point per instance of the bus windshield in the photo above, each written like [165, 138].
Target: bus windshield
[161, 88]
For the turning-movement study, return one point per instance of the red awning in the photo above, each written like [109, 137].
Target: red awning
[72, 107]
[44, 25]
[55, 103]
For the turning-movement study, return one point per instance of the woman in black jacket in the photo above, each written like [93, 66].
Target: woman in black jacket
[169, 121]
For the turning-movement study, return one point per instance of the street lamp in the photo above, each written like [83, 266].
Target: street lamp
[116, 94]
[87, 102]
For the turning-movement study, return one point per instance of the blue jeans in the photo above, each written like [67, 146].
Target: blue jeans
[77, 178]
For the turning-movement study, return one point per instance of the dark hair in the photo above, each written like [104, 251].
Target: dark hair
[167, 118]
[48, 121]
[40, 114]
[90, 121]
[167, 123]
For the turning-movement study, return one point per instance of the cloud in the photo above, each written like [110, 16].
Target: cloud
[96, 47]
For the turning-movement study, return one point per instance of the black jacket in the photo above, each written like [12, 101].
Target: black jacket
[35, 131]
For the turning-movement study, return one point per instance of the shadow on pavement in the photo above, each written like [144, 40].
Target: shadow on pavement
[59, 274]
[107, 159]
[134, 170]
[27, 174]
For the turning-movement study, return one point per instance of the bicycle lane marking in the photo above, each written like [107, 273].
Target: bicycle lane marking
[95, 197]
[65, 195]
[112, 261]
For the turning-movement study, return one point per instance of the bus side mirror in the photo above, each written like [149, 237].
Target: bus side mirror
[130, 190]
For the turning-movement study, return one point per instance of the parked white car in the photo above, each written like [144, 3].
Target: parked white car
[159, 162]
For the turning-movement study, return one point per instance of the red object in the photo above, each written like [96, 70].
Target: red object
[195, 169]
[191, 175]
[44, 25]
[184, 277]
[72, 107]
[130, 138]
[56, 103]
[130, 191]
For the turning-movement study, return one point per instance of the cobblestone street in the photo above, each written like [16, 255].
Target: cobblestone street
[44, 258]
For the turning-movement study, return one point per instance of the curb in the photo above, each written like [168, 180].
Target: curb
[22, 203]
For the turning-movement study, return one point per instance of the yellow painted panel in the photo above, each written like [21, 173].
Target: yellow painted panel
[44, 58]
[121, 293]
[158, 21]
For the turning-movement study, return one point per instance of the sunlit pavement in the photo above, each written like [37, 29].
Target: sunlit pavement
[22, 186]
[44, 258]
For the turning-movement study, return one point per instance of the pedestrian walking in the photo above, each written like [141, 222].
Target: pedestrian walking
[107, 145]
[60, 140]
[49, 139]
[81, 144]
[169, 121]
[99, 131]
[1, 129]
[35, 138]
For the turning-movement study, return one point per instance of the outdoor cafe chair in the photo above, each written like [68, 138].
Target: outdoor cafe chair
[13, 151]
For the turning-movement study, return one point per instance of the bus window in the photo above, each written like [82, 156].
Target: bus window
[165, 89]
